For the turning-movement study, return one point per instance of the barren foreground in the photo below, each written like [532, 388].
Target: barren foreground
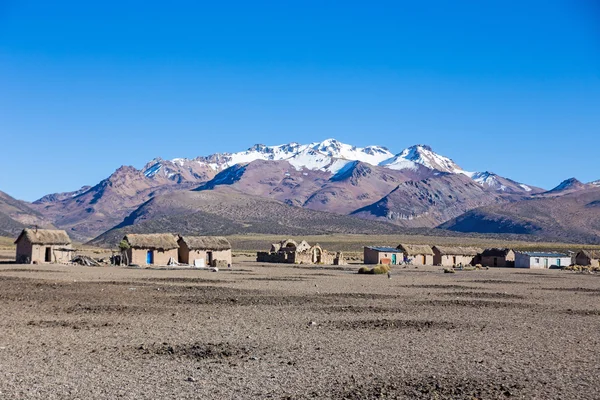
[282, 332]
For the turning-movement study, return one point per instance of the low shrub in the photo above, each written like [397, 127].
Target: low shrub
[377, 270]
[364, 270]
[581, 268]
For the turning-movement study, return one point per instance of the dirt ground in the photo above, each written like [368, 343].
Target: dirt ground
[284, 332]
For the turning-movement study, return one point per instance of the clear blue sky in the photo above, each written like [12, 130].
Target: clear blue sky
[506, 86]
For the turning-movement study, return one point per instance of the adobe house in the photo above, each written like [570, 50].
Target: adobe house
[588, 258]
[541, 260]
[497, 258]
[212, 251]
[290, 252]
[382, 255]
[416, 254]
[36, 246]
[452, 256]
[151, 249]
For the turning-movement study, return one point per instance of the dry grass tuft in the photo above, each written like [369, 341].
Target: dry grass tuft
[377, 270]
[582, 268]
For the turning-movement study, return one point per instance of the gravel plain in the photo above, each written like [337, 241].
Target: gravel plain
[284, 332]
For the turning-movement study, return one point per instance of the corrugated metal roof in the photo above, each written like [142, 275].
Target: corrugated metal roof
[384, 249]
[542, 254]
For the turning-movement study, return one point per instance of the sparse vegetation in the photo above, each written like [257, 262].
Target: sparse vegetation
[377, 270]
[582, 268]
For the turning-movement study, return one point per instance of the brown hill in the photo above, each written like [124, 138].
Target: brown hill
[226, 212]
[355, 186]
[574, 216]
[9, 227]
[15, 214]
[429, 202]
[86, 214]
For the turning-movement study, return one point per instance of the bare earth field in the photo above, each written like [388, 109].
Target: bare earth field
[286, 332]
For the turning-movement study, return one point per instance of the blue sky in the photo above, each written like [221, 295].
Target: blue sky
[88, 86]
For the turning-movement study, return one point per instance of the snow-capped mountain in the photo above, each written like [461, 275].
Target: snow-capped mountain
[329, 156]
[422, 155]
[499, 183]
[325, 176]
[314, 156]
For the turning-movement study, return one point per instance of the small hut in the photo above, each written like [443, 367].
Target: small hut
[151, 249]
[497, 258]
[382, 255]
[588, 258]
[212, 251]
[291, 252]
[527, 259]
[452, 256]
[417, 254]
[43, 246]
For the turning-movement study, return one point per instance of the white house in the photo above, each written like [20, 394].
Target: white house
[541, 260]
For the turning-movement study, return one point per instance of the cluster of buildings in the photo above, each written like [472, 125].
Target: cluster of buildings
[36, 246]
[454, 256]
[289, 251]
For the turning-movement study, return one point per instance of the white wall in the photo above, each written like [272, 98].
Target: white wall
[525, 261]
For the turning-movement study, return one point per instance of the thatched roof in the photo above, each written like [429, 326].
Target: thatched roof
[156, 241]
[415, 249]
[591, 254]
[457, 251]
[45, 236]
[206, 242]
[495, 252]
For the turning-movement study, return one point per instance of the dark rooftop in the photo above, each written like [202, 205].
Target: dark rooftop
[544, 254]
[384, 249]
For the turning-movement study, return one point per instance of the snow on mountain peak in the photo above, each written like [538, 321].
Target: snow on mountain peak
[489, 179]
[329, 155]
[423, 155]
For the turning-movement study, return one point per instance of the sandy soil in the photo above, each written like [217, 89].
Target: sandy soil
[287, 332]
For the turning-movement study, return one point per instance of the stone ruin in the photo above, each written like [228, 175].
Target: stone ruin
[290, 252]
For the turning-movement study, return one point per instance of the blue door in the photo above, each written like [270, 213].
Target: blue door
[393, 259]
[150, 257]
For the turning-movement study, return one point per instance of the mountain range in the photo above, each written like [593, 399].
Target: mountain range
[293, 186]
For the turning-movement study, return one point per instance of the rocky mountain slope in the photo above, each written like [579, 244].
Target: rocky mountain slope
[573, 215]
[9, 227]
[87, 213]
[16, 214]
[324, 176]
[226, 212]
[431, 201]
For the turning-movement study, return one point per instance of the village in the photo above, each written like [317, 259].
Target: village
[37, 246]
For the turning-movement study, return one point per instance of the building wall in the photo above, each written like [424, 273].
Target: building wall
[525, 261]
[286, 257]
[488, 261]
[307, 257]
[24, 252]
[453, 260]
[139, 256]
[419, 259]
[371, 256]
[36, 253]
[221, 255]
